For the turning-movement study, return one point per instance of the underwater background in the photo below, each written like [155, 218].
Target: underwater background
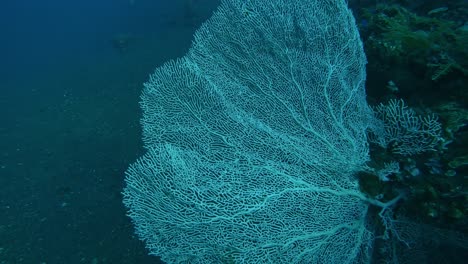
[70, 80]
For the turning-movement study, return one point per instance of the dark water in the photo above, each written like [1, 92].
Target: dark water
[71, 76]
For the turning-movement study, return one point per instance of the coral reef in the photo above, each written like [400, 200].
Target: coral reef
[417, 51]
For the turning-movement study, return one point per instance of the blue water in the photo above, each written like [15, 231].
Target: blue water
[70, 80]
[51, 33]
